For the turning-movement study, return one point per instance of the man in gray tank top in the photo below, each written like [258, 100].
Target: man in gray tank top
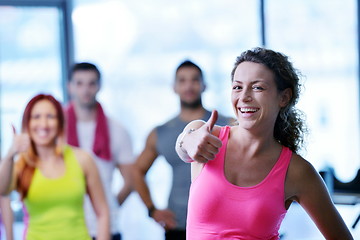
[189, 85]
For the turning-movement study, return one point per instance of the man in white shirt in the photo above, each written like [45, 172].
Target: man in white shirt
[107, 140]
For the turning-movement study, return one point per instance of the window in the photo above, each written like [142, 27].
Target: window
[138, 46]
[322, 42]
[32, 60]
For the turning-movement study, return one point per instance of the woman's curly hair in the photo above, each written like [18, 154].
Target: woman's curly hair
[290, 126]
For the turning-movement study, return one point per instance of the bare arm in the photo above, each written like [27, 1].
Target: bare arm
[311, 193]
[199, 141]
[141, 166]
[7, 217]
[21, 143]
[125, 160]
[125, 170]
[96, 194]
[7, 182]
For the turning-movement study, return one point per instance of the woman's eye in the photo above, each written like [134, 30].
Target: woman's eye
[259, 88]
[35, 116]
[237, 87]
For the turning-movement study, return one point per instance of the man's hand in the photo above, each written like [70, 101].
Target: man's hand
[165, 218]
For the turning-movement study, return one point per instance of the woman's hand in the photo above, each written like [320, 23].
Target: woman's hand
[200, 144]
[21, 142]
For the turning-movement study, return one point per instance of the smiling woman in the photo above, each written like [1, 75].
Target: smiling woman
[245, 177]
[256, 99]
[51, 177]
[44, 124]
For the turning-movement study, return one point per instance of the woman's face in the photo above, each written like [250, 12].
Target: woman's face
[44, 123]
[255, 98]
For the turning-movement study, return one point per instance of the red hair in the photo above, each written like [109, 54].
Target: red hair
[26, 164]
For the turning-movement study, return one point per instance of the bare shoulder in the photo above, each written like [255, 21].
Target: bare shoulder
[300, 175]
[299, 165]
[149, 153]
[195, 124]
[152, 136]
[84, 158]
[151, 141]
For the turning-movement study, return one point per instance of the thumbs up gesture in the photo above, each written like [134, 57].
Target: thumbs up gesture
[21, 142]
[202, 145]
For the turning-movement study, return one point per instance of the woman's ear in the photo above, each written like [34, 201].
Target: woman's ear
[285, 97]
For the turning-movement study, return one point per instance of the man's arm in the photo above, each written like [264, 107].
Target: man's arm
[124, 157]
[125, 170]
[142, 164]
[144, 161]
[7, 217]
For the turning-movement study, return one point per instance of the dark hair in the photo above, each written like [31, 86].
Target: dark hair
[25, 166]
[289, 126]
[84, 66]
[188, 63]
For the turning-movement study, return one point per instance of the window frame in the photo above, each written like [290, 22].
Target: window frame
[66, 35]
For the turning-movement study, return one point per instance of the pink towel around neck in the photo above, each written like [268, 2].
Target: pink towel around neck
[101, 145]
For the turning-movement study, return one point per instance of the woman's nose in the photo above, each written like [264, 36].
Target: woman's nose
[44, 121]
[246, 96]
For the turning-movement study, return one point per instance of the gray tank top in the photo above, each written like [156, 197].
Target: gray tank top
[166, 139]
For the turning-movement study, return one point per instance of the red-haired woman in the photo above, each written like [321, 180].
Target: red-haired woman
[51, 177]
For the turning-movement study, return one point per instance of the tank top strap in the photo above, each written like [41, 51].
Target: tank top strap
[219, 158]
[278, 172]
[68, 153]
[283, 161]
[72, 164]
[285, 156]
[224, 134]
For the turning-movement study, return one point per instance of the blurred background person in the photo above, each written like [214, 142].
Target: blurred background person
[107, 140]
[52, 177]
[189, 86]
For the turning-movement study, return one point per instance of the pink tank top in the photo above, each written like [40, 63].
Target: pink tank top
[220, 210]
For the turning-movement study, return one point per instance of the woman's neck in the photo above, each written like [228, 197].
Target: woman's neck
[254, 143]
[46, 152]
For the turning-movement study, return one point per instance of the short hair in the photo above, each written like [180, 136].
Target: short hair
[188, 63]
[84, 66]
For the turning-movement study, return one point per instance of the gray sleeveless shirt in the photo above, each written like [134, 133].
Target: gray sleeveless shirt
[166, 139]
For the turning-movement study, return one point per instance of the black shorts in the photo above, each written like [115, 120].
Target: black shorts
[176, 234]
[116, 236]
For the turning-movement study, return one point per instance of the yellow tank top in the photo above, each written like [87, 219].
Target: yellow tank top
[55, 206]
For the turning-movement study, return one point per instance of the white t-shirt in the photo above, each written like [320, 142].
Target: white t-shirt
[121, 152]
